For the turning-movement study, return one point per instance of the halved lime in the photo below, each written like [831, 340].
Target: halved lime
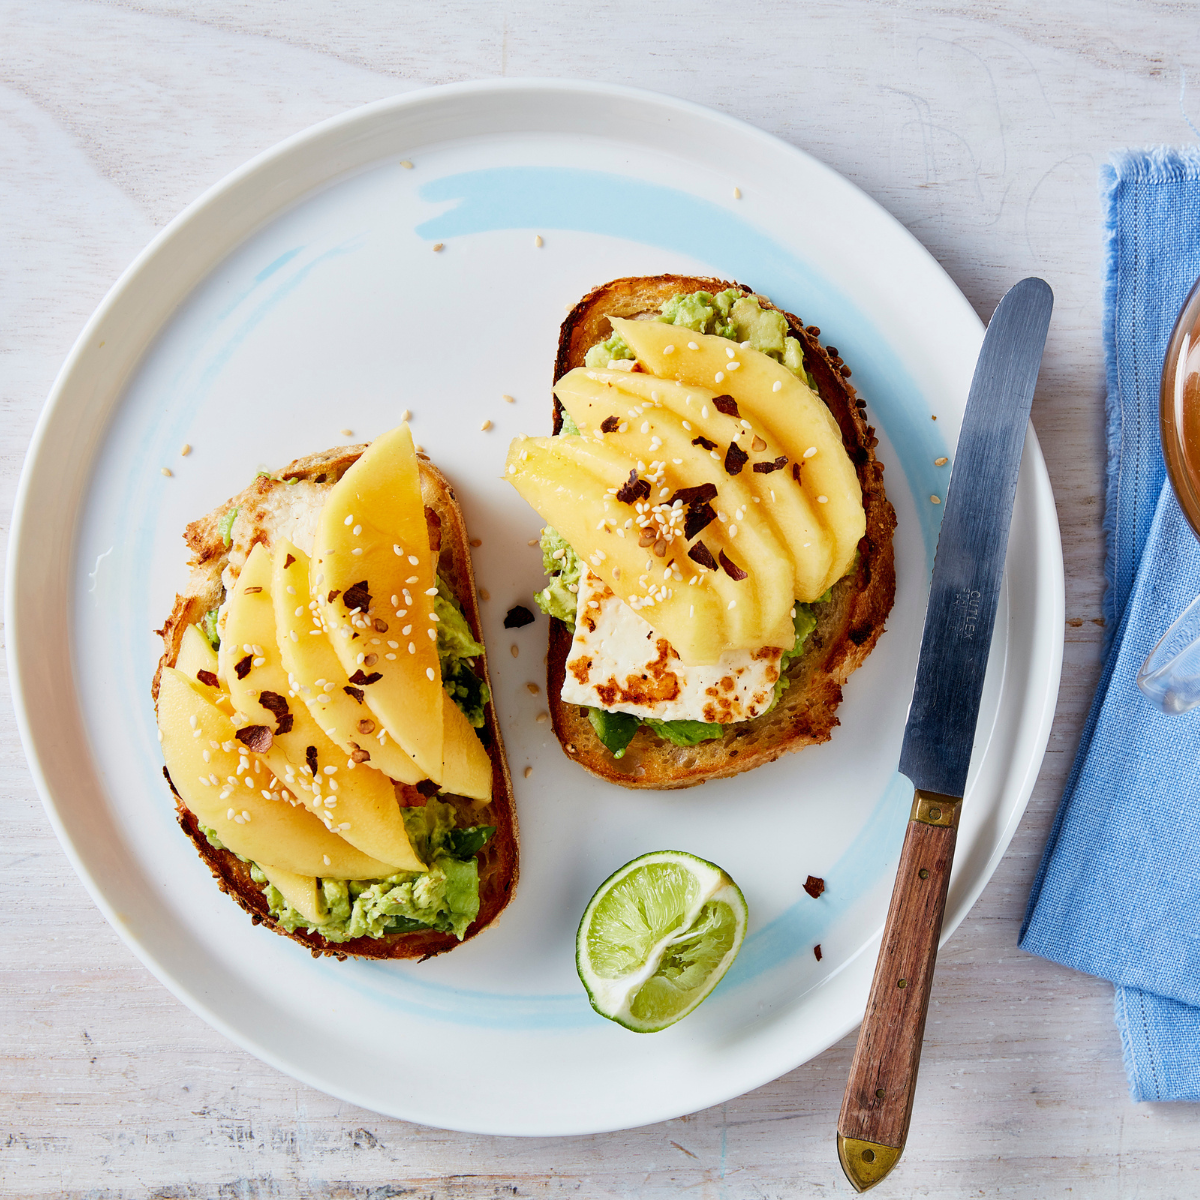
[657, 937]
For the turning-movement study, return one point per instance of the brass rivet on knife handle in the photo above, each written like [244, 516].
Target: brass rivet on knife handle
[932, 808]
[877, 1106]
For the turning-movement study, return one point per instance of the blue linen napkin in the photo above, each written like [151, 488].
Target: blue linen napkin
[1118, 891]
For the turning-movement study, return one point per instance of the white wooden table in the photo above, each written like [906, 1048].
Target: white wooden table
[982, 127]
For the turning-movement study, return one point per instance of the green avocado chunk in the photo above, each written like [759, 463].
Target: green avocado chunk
[601, 354]
[456, 647]
[556, 599]
[444, 897]
[734, 315]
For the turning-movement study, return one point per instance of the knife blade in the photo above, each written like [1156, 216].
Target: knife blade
[967, 573]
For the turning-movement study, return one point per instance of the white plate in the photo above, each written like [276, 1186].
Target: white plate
[301, 296]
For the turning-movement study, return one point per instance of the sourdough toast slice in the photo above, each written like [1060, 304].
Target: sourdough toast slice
[848, 624]
[257, 507]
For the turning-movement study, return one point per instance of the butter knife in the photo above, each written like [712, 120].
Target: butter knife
[967, 573]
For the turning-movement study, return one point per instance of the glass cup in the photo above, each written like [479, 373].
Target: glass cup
[1170, 676]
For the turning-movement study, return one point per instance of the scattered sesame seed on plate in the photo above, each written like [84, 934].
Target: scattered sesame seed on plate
[514, 650]
[406, 415]
[166, 471]
[935, 500]
[484, 594]
[508, 399]
[404, 162]
[940, 462]
[542, 717]
[528, 772]
[537, 241]
[485, 426]
[185, 450]
[737, 193]
[532, 689]
[438, 246]
[347, 433]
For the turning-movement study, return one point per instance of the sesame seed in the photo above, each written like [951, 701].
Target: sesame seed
[537, 241]
[668, 349]
[733, 531]
[357, 550]
[514, 650]
[934, 500]
[733, 366]
[704, 414]
[777, 386]
[438, 246]
[485, 427]
[737, 193]
[822, 499]
[419, 448]
[408, 167]
[166, 471]
[508, 399]
[940, 462]
[357, 531]
[185, 450]
[733, 604]
[429, 674]
[693, 346]
[430, 591]
[294, 635]
[810, 452]
[542, 717]
[347, 432]
[484, 594]
[719, 376]
[528, 772]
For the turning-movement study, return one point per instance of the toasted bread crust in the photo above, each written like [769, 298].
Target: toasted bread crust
[448, 535]
[848, 625]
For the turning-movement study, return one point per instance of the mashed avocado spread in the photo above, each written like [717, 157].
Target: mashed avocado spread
[729, 314]
[445, 897]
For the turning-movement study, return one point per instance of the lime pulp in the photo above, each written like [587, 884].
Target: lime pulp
[657, 937]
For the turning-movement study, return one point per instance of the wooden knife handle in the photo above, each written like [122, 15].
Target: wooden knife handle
[877, 1106]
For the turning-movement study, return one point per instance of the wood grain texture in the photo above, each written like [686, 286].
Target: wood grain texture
[877, 1106]
[981, 126]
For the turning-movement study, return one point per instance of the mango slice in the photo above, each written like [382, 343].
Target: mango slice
[466, 767]
[257, 826]
[655, 434]
[196, 656]
[302, 892]
[373, 576]
[775, 401]
[571, 482]
[315, 671]
[353, 800]
[774, 496]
